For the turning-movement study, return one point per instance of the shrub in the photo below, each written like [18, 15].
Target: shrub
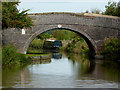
[37, 43]
[10, 56]
[111, 49]
[11, 17]
[70, 47]
[78, 46]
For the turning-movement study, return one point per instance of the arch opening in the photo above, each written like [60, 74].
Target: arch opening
[86, 37]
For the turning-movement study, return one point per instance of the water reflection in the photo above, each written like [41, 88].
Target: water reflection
[56, 55]
[15, 76]
[66, 71]
[41, 61]
[85, 65]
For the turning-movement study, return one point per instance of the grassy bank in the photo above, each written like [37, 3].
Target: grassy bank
[10, 57]
[35, 51]
[32, 55]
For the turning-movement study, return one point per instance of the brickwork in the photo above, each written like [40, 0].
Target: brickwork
[93, 28]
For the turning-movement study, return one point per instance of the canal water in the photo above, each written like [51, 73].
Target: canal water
[63, 71]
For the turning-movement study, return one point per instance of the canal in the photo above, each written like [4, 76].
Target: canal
[63, 71]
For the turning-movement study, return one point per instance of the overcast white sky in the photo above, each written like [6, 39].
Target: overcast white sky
[67, 0]
[36, 6]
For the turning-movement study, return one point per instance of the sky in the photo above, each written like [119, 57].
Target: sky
[67, 0]
[75, 6]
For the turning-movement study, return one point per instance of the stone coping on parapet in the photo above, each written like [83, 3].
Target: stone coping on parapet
[78, 14]
[99, 15]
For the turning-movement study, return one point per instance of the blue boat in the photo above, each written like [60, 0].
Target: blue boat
[52, 44]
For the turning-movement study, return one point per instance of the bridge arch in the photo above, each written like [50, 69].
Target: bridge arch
[90, 42]
[93, 28]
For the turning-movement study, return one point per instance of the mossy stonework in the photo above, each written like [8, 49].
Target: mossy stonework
[92, 27]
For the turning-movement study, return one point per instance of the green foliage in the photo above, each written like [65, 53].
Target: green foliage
[37, 43]
[35, 51]
[10, 56]
[12, 18]
[70, 47]
[59, 34]
[113, 8]
[44, 36]
[63, 34]
[96, 11]
[111, 49]
[117, 11]
[78, 46]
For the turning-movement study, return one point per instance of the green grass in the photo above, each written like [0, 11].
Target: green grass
[34, 51]
[32, 55]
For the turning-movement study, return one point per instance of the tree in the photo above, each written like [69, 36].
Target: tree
[117, 11]
[113, 8]
[11, 17]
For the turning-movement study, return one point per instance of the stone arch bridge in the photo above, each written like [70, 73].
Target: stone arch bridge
[93, 28]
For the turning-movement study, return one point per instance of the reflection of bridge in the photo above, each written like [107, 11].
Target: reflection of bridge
[93, 28]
